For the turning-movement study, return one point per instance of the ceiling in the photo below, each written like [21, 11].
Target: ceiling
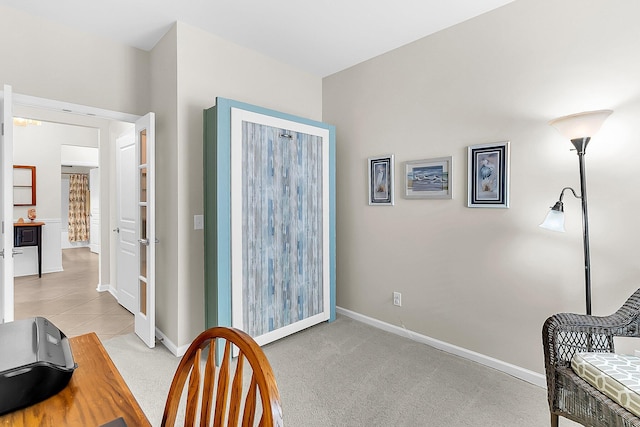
[321, 37]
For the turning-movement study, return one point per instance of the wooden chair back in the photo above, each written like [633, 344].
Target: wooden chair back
[218, 395]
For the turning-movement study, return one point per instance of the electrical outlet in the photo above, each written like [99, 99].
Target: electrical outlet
[397, 299]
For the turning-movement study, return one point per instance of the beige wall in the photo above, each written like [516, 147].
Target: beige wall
[486, 279]
[51, 61]
[203, 67]
[48, 60]
[180, 77]
[164, 83]
[482, 279]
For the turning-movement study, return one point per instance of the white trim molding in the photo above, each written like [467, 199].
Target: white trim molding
[513, 370]
[104, 288]
[68, 107]
[174, 349]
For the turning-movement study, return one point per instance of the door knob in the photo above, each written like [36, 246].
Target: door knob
[117, 229]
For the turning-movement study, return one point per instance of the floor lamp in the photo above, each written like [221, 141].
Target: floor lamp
[578, 128]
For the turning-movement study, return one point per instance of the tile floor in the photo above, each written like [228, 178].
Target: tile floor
[69, 299]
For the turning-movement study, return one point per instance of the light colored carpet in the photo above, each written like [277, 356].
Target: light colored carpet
[148, 372]
[347, 373]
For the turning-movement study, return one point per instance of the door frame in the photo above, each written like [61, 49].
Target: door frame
[66, 109]
[145, 145]
[7, 270]
[94, 244]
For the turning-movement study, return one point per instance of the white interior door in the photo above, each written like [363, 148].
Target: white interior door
[6, 188]
[94, 225]
[126, 227]
[145, 314]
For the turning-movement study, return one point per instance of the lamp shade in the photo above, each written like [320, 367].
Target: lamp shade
[554, 220]
[581, 125]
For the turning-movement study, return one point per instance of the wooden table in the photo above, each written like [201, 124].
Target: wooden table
[96, 394]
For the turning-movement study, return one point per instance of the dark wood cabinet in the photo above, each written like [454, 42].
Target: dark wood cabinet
[29, 234]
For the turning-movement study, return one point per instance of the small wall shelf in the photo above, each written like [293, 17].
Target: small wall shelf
[24, 185]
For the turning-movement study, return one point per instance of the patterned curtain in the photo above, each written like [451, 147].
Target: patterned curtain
[78, 208]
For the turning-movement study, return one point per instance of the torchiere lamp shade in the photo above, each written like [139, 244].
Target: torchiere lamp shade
[581, 125]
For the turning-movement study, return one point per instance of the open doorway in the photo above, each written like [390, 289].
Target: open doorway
[141, 212]
[54, 152]
[65, 155]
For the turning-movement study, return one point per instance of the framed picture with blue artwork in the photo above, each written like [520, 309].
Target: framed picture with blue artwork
[428, 179]
[488, 175]
[380, 187]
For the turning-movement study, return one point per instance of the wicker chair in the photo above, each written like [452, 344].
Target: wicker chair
[565, 334]
[223, 401]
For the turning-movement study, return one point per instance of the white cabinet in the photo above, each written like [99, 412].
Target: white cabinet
[269, 220]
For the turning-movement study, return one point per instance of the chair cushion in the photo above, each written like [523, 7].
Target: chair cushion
[616, 375]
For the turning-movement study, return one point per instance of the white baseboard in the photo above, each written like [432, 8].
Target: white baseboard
[113, 291]
[104, 288]
[513, 370]
[35, 272]
[174, 349]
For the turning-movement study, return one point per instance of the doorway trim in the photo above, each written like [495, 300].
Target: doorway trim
[64, 109]
[68, 108]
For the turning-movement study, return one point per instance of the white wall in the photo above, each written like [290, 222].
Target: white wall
[74, 155]
[486, 279]
[193, 67]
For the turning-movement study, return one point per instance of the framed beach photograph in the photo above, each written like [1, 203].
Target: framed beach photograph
[381, 180]
[428, 179]
[488, 175]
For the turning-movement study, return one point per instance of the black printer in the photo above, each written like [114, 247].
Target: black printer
[35, 362]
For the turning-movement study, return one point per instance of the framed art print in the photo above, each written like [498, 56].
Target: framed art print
[428, 179]
[488, 175]
[381, 180]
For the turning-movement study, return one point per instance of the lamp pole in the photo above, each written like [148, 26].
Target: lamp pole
[574, 128]
[581, 147]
